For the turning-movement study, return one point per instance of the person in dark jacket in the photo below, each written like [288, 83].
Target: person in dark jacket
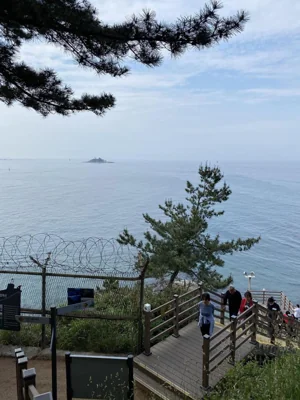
[234, 298]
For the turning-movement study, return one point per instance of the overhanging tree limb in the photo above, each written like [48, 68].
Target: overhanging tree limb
[73, 25]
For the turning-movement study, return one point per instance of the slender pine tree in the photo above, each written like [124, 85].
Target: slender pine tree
[181, 242]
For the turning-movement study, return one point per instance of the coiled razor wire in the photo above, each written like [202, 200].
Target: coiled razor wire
[92, 255]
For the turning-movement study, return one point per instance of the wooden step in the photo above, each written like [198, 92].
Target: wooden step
[150, 389]
[161, 382]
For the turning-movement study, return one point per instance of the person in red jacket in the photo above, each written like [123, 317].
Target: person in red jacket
[246, 303]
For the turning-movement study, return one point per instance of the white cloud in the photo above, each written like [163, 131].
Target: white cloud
[195, 102]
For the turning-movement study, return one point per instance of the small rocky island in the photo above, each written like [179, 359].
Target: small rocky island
[99, 161]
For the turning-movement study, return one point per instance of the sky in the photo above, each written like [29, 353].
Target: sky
[236, 101]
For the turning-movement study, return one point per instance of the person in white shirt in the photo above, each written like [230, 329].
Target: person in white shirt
[297, 312]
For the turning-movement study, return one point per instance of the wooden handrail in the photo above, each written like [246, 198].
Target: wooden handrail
[163, 305]
[165, 314]
[241, 316]
[221, 341]
[217, 334]
[155, 328]
[188, 309]
[182, 296]
[26, 386]
[188, 301]
[188, 317]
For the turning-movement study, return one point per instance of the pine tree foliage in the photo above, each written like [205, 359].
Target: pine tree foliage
[74, 26]
[180, 243]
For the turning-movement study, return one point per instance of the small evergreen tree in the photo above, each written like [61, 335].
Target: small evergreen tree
[181, 243]
[73, 26]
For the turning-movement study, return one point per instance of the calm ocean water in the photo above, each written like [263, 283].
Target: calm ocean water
[76, 200]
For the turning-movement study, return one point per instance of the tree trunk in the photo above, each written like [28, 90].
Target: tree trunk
[173, 277]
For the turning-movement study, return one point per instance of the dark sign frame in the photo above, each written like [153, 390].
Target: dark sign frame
[10, 306]
[106, 362]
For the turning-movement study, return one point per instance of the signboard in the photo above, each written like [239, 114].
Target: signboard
[99, 377]
[33, 320]
[79, 295]
[10, 306]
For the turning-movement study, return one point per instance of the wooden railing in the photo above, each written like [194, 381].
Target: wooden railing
[277, 326]
[26, 387]
[280, 297]
[170, 317]
[224, 343]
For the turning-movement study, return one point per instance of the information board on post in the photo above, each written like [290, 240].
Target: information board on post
[10, 306]
[77, 295]
[99, 377]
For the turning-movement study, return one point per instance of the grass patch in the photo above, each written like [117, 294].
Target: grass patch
[278, 380]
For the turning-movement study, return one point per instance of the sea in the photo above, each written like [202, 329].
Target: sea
[76, 200]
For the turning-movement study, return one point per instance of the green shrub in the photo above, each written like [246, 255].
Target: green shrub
[278, 380]
[29, 335]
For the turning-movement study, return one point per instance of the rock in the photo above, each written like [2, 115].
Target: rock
[99, 161]
[9, 351]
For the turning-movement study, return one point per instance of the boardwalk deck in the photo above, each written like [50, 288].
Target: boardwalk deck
[178, 361]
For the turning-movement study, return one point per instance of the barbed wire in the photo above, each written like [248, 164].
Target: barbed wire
[92, 255]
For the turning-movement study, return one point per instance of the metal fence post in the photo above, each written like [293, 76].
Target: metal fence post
[43, 338]
[233, 338]
[53, 353]
[222, 313]
[264, 296]
[176, 316]
[255, 321]
[205, 362]
[142, 292]
[147, 327]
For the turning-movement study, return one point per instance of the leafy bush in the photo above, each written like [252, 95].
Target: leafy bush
[278, 380]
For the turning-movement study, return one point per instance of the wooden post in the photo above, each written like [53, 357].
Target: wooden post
[21, 364]
[290, 306]
[18, 355]
[205, 362]
[68, 362]
[29, 376]
[281, 300]
[284, 303]
[200, 287]
[130, 395]
[19, 350]
[255, 321]
[233, 338]
[264, 296]
[222, 314]
[147, 333]
[176, 315]
[273, 323]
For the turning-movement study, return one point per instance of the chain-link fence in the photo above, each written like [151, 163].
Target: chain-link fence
[45, 266]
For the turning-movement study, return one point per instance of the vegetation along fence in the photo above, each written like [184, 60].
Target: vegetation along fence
[46, 266]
